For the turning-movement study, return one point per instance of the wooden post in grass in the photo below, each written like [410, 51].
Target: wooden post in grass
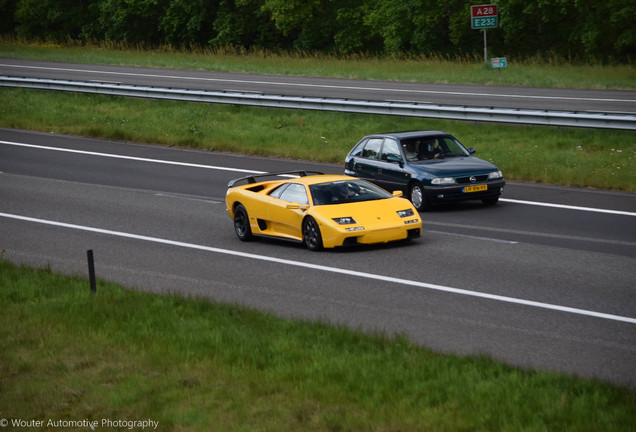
[91, 270]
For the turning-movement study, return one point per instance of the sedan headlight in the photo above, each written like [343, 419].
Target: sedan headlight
[405, 213]
[344, 220]
[495, 175]
[443, 181]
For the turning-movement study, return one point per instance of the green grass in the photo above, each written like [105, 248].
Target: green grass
[194, 365]
[568, 156]
[539, 72]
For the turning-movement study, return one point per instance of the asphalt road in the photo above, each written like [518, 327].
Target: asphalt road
[606, 101]
[544, 280]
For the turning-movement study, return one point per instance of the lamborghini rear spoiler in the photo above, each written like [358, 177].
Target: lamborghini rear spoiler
[252, 178]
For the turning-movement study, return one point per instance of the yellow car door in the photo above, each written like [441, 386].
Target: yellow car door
[286, 212]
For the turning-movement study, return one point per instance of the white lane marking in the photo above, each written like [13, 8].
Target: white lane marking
[318, 85]
[131, 158]
[528, 233]
[331, 269]
[473, 237]
[187, 198]
[569, 207]
[214, 167]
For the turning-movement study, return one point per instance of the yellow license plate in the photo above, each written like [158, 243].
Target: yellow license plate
[476, 188]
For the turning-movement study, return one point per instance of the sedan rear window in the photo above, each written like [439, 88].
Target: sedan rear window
[372, 148]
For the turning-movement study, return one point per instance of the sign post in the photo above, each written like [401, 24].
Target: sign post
[498, 63]
[484, 17]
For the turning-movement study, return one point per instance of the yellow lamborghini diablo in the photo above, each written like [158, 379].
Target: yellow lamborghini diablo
[319, 210]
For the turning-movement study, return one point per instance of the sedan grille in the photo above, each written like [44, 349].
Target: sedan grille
[478, 179]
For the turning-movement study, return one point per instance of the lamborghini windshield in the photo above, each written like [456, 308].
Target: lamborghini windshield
[345, 191]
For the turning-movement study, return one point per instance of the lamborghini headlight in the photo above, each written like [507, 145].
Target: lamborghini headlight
[344, 220]
[405, 213]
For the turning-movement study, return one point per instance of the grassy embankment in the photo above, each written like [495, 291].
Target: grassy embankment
[193, 365]
[568, 156]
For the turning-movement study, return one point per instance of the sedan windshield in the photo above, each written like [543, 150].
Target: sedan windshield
[435, 147]
[346, 191]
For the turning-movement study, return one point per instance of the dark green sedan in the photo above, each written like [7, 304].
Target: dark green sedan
[427, 166]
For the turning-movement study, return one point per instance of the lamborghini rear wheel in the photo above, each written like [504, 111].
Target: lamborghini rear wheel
[311, 234]
[242, 223]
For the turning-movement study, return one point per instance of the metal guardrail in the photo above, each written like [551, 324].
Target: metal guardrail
[479, 114]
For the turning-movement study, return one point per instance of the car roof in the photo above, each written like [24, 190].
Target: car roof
[324, 178]
[277, 180]
[408, 134]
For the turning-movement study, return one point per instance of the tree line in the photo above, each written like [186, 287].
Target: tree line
[592, 31]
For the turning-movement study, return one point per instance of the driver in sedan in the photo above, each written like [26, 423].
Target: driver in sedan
[431, 149]
[425, 149]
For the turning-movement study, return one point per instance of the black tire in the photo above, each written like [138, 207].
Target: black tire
[311, 234]
[242, 224]
[417, 196]
[490, 201]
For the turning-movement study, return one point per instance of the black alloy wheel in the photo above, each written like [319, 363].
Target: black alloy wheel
[242, 223]
[311, 234]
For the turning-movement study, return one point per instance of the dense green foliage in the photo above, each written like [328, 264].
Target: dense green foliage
[583, 30]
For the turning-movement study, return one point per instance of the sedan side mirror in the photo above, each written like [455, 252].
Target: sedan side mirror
[393, 158]
[472, 150]
[398, 193]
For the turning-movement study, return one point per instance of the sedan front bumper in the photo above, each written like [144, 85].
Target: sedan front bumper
[436, 194]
